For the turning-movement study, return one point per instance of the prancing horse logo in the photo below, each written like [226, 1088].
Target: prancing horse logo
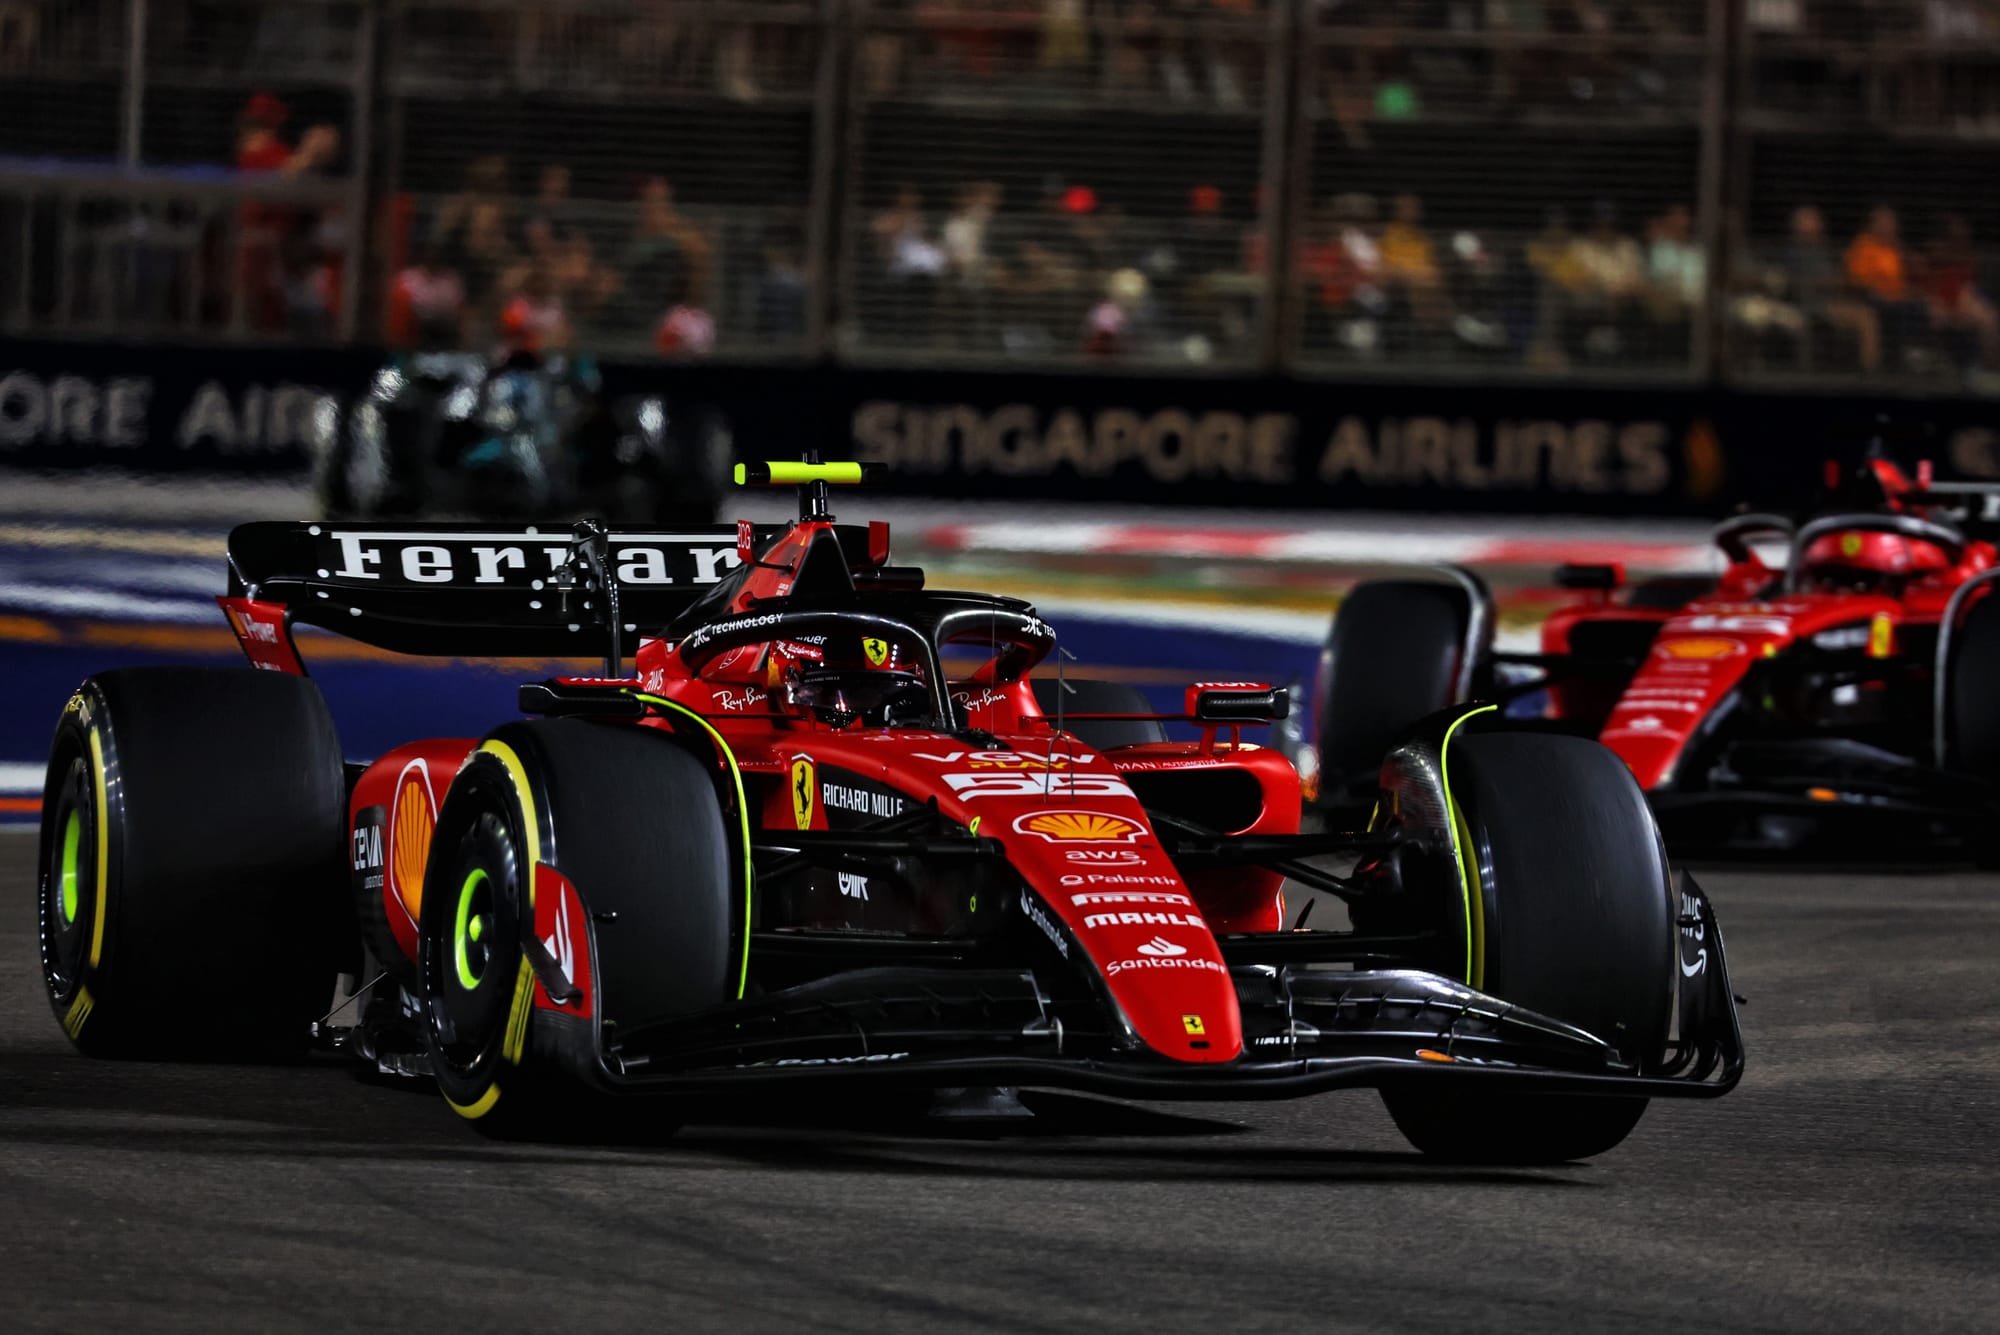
[805, 792]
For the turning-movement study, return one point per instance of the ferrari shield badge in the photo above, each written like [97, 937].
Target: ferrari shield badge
[877, 650]
[805, 791]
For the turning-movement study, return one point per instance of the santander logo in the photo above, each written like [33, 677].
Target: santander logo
[1161, 948]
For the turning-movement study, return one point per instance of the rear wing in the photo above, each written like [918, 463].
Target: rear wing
[473, 590]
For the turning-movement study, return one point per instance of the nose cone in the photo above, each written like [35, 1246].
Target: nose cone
[1178, 997]
[1165, 972]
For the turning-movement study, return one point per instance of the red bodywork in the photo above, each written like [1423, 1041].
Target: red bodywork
[1702, 649]
[1094, 877]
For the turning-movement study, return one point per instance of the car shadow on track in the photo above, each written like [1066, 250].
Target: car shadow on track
[319, 1111]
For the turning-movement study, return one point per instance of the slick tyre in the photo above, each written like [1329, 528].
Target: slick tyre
[192, 898]
[1084, 695]
[1972, 709]
[1972, 713]
[633, 821]
[1391, 658]
[1574, 918]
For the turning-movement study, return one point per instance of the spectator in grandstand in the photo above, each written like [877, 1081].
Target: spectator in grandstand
[1813, 282]
[1676, 267]
[1610, 270]
[426, 303]
[686, 330]
[1550, 257]
[971, 266]
[471, 233]
[1123, 322]
[270, 255]
[967, 43]
[1957, 305]
[1878, 270]
[485, 258]
[260, 147]
[911, 262]
[965, 233]
[553, 220]
[778, 305]
[533, 321]
[586, 288]
[668, 253]
[1410, 267]
[1341, 266]
[1064, 53]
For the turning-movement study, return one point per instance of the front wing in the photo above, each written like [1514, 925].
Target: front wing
[1307, 1029]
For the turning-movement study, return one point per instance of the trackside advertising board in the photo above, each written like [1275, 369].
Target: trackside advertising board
[1107, 436]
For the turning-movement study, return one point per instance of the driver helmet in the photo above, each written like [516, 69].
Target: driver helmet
[848, 676]
[1858, 559]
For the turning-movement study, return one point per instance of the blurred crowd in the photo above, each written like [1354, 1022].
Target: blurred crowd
[552, 270]
[1875, 303]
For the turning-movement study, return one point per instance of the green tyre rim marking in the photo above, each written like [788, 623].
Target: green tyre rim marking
[72, 847]
[469, 929]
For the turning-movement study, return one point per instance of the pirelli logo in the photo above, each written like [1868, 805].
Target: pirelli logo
[519, 560]
[78, 1013]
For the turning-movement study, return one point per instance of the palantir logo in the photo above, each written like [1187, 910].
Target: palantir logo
[1161, 948]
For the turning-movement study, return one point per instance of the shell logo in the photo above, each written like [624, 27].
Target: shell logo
[410, 830]
[1079, 827]
[1701, 648]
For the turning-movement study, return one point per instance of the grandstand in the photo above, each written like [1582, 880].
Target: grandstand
[1606, 190]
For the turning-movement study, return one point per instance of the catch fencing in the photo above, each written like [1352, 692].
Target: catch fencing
[1563, 190]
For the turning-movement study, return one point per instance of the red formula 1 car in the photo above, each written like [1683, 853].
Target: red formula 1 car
[823, 832]
[1843, 698]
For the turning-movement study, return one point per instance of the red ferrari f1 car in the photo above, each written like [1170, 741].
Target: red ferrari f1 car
[822, 832]
[1844, 699]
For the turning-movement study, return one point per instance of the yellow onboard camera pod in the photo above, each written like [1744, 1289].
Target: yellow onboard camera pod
[783, 474]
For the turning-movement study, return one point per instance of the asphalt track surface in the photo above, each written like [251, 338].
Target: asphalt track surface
[1849, 1184]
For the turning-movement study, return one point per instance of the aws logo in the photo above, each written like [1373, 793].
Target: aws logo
[1078, 827]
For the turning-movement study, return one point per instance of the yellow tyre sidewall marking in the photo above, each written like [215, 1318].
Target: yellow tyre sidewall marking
[1475, 965]
[743, 810]
[97, 818]
[79, 1011]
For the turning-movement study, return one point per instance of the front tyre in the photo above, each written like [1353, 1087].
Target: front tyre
[1572, 916]
[635, 823]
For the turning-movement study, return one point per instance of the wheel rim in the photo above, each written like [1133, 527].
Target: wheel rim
[68, 876]
[68, 904]
[472, 950]
[471, 944]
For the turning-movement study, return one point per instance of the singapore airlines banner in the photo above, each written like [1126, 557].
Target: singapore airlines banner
[1529, 448]
[1093, 437]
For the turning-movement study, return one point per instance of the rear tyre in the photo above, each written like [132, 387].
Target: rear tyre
[192, 899]
[1085, 695]
[1390, 659]
[634, 822]
[1972, 713]
[1574, 918]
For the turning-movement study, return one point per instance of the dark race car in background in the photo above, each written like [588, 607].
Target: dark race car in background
[1835, 689]
[527, 435]
[824, 833]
